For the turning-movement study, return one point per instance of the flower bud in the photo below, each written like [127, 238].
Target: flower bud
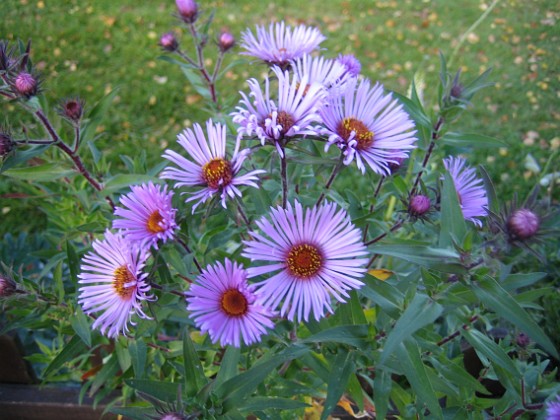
[172, 416]
[394, 166]
[523, 224]
[188, 10]
[352, 64]
[25, 84]
[522, 340]
[72, 109]
[168, 42]
[419, 205]
[7, 286]
[226, 41]
[6, 144]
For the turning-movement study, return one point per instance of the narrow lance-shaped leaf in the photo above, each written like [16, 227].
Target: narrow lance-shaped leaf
[194, 373]
[453, 224]
[497, 299]
[421, 312]
[414, 370]
[342, 368]
[74, 347]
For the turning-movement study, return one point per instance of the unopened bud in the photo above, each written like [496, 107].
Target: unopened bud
[72, 109]
[188, 10]
[394, 166]
[523, 224]
[226, 41]
[456, 91]
[419, 205]
[6, 144]
[7, 286]
[168, 42]
[352, 64]
[25, 84]
[522, 340]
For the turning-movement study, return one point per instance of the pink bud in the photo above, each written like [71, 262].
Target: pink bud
[419, 205]
[226, 41]
[188, 10]
[72, 109]
[523, 224]
[25, 84]
[168, 42]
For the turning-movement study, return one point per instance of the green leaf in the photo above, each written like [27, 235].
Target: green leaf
[493, 203]
[124, 181]
[452, 221]
[520, 280]
[73, 262]
[495, 298]
[445, 260]
[458, 375]
[73, 348]
[163, 391]
[107, 372]
[228, 366]
[138, 354]
[270, 403]
[470, 140]
[22, 156]
[234, 390]
[194, 373]
[489, 349]
[408, 354]
[81, 326]
[96, 115]
[40, 173]
[342, 368]
[354, 335]
[58, 282]
[421, 312]
[389, 298]
[414, 110]
[382, 385]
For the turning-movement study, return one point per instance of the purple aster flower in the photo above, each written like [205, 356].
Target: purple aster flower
[280, 43]
[211, 169]
[553, 409]
[276, 121]
[114, 283]
[368, 126]
[147, 215]
[223, 304]
[351, 64]
[470, 189]
[313, 256]
[331, 74]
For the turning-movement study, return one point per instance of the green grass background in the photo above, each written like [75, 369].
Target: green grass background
[88, 48]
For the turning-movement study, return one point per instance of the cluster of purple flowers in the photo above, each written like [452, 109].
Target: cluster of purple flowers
[302, 258]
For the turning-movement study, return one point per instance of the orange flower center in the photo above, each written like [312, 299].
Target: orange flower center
[285, 120]
[234, 303]
[304, 261]
[363, 136]
[217, 173]
[122, 278]
[153, 224]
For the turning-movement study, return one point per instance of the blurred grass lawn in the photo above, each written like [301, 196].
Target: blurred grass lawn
[88, 48]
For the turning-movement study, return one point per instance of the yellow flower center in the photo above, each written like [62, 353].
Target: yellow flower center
[122, 278]
[153, 224]
[305, 89]
[363, 136]
[234, 303]
[217, 173]
[304, 261]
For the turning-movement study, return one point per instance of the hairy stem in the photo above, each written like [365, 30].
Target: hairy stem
[334, 172]
[435, 136]
[283, 174]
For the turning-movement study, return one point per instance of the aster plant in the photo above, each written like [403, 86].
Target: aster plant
[307, 249]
